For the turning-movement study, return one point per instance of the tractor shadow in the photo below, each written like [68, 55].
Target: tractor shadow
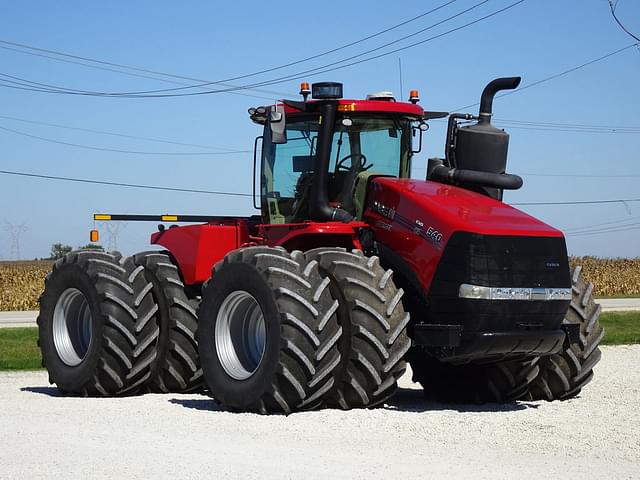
[204, 404]
[48, 391]
[414, 400]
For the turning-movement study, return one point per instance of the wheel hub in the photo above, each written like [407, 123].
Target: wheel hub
[72, 327]
[240, 335]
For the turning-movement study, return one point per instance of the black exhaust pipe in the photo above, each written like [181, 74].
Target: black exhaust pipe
[319, 208]
[489, 92]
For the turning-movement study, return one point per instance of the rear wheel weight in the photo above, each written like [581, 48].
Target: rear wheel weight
[563, 375]
[268, 332]
[372, 316]
[93, 328]
[177, 366]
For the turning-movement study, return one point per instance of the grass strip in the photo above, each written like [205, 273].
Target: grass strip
[18, 349]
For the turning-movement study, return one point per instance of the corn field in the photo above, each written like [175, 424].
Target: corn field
[21, 283]
[611, 276]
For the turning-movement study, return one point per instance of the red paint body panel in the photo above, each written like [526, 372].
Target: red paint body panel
[196, 248]
[445, 209]
[308, 235]
[372, 106]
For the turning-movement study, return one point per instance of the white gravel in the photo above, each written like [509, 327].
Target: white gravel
[596, 435]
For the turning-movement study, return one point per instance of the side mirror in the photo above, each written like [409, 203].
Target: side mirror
[277, 124]
[419, 130]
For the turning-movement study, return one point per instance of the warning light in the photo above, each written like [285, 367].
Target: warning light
[414, 97]
[94, 236]
[347, 107]
[305, 90]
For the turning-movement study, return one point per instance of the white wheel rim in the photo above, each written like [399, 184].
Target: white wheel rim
[72, 327]
[240, 335]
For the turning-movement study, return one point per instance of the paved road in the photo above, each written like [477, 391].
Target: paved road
[18, 319]
[28, 319]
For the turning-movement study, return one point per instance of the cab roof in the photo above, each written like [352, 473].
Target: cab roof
[355, 106]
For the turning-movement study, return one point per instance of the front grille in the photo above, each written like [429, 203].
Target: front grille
[499, 261]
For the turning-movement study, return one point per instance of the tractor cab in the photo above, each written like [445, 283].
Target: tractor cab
[318, 155]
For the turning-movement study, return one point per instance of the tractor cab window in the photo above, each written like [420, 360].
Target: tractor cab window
[361, 146]
[286, 175]
[366, 146]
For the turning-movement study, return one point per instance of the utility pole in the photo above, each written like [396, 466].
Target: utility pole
[15, 231]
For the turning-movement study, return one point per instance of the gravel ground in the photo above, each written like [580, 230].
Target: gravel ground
[597, 435]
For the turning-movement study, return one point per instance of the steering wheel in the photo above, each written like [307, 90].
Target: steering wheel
[342, 167]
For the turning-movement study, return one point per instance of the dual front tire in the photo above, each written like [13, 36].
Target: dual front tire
[283, 331]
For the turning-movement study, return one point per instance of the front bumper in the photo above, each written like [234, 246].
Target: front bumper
[450, 343]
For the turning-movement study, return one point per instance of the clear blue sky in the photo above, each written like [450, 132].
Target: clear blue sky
[217, 40]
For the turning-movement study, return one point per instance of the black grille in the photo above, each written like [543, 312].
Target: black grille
[499, 261]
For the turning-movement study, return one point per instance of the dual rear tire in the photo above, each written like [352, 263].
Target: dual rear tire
[97, 329]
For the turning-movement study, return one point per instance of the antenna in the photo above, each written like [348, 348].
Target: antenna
[15, 231]
[400, 73]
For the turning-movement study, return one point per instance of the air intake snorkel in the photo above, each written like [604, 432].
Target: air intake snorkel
[476, 155]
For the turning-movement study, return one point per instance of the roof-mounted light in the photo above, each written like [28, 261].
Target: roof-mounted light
[326, 90]
[385, 96]
[305, 91]
[414, 96]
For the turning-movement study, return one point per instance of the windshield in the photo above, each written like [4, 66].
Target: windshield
[361, 147]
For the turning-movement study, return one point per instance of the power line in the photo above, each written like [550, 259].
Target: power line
[238, 194]
[120, 184]
[561, 127]
[556, 124]
[628, 228]
[580, 202]
[320, 70]
[115, 150]
[118, 65]
[222, 82]
[297, 75]
[553, 77]
[380, 47]
[577, 175]
[613, 6]
[208, 82]
[591, 227]
[115, 134]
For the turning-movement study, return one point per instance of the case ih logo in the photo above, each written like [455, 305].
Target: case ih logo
[384, 210]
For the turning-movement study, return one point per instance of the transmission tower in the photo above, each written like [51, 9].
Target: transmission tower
[15, 232]
[113, 230]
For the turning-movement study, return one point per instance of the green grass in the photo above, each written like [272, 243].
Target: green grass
[18, 350]
[620, 328]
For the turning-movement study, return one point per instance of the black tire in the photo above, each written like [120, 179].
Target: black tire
[97, 325]
[300, 351]
[374, 323]
[502, 382]
[563, 375]
[177, 366]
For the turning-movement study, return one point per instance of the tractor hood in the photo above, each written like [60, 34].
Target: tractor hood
[416, 223]
[449, 209]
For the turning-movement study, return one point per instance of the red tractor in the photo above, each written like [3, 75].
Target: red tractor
[350, 270]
